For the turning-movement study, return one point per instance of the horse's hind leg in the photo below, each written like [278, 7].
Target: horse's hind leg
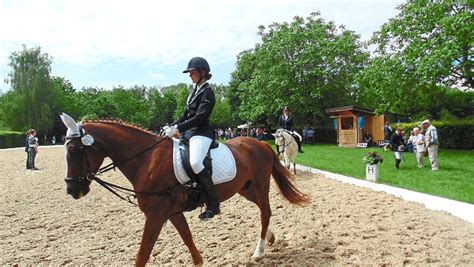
[180, 223]
[262, 201]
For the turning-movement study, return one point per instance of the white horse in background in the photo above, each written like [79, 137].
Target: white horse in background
[287, 146]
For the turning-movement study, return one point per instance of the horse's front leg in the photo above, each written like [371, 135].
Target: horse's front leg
[180, 223]
[287, 161]
[153, 223]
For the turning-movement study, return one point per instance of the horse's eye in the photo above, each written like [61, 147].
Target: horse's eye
[74, 149]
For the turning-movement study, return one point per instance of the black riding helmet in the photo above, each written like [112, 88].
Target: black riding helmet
[198, 63]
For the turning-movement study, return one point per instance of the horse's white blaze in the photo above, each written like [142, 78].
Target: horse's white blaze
[259, 249]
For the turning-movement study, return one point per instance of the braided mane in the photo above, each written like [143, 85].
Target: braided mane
[121, 123]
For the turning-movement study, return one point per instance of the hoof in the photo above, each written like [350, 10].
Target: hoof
[256, 258]
[270, 237]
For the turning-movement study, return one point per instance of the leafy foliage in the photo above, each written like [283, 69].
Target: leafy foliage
[307, 64]
[29, 102]
[434, 39]
[421, 54]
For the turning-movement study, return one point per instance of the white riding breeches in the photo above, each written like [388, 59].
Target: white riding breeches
[398, 155]
[297, 134]
[198, 148]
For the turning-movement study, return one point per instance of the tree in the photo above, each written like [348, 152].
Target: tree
[307, 64]
[434, 38]
[32, 97]
[423, 51]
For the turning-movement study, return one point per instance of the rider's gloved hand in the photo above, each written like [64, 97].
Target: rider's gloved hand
[170, 131]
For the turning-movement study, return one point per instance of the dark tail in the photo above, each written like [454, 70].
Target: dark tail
[283, 179]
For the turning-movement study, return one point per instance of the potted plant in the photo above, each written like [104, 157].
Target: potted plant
[372, 159]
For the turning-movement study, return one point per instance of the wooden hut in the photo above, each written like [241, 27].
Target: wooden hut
[348, 122]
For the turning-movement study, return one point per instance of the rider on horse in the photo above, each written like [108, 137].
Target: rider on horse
[285, 121]
[194, 125]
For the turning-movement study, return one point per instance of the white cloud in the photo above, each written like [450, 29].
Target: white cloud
[84, 32]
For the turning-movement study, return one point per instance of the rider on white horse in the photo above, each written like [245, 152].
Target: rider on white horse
[285, 121]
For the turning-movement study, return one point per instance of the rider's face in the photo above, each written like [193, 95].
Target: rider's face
[195, 75]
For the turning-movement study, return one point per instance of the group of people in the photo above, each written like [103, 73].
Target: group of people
[31, 148]
[229, 133]
[423, 144]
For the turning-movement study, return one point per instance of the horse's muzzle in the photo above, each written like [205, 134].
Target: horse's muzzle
[77, 187]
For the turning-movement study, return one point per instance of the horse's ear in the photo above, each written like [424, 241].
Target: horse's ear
[70, 123]
[274, 134]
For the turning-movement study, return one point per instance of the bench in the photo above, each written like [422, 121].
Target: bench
[361, 145]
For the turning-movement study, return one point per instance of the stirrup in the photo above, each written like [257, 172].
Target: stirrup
[208, 214]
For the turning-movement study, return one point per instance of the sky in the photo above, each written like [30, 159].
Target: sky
[102, 43]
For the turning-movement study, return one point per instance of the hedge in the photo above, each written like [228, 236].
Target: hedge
[12, 139]
[452, 134]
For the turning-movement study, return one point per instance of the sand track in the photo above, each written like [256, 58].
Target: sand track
[344, 224]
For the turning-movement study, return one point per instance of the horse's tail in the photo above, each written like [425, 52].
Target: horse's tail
[283, 179]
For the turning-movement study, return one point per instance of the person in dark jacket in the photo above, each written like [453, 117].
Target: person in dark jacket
[194, 125]
[27, 146]
[285, 121]
[398, 146]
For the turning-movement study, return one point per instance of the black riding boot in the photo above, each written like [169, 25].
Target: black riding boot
[397, 163]
[298, 141]
[212, 208]
[277, 149]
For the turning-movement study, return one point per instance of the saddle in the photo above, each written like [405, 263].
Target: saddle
[183, 147]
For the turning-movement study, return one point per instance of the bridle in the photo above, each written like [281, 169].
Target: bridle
[285, 144]
[92, 176]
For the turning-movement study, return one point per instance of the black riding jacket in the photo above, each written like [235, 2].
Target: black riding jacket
[286, 124]
[396, 141]
[198, 109]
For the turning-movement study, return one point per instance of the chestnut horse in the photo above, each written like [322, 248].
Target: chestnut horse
[146, 160]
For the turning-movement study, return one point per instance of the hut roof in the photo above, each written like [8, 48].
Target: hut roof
[350, 108]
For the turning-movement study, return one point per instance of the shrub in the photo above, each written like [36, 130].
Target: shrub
[12, 139]
[452, 134]
[323, 134]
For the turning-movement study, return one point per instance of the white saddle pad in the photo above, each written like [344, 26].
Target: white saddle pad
[223, 164]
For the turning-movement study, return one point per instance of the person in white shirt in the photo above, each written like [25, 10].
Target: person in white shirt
[419, 146]
[431, 136]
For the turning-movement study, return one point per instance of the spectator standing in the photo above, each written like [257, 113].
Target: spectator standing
[410, 144]
[398, 146]
[32, 149]
[418, 141]
[431, 135]
[26, 150]
[305, 135]
[53, 140]
[311, 136]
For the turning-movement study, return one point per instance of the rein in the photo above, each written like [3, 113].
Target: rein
[284, 140]
[113, 188]
[112, 165]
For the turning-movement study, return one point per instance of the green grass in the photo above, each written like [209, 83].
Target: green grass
[454, 180]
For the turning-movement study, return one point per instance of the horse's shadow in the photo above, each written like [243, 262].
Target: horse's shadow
[314, 252]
